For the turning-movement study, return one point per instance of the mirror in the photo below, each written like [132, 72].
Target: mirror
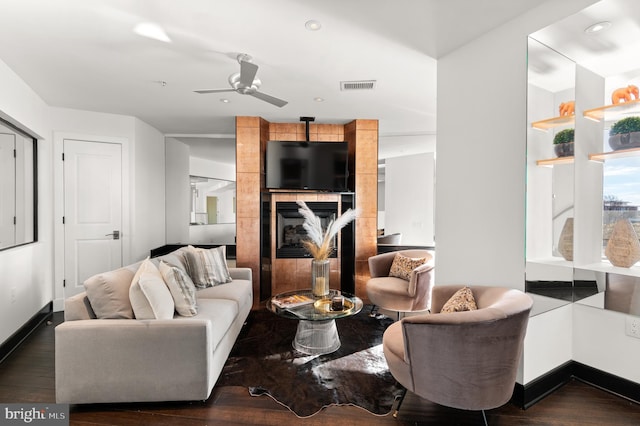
[550, 173]
[17, 187]
[200, 170]
[213, 201]
[606, 182]
[406, 187]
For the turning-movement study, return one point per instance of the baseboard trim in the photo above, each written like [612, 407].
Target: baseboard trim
[607, 381]
[526, 396]
[12, 343]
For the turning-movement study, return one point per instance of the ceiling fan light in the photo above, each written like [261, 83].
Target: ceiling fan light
[151, 30]
[597, 27]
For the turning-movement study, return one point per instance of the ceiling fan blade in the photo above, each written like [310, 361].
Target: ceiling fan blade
[267, 98]
[248, 72]
[204, 92]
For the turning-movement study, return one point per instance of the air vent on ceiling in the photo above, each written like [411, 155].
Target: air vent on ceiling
[358, 85]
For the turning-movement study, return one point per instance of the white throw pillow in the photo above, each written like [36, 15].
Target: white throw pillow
[181, 287]
[207, 267]
[150, 297]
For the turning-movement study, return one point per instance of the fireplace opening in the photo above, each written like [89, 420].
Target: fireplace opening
[289, 230]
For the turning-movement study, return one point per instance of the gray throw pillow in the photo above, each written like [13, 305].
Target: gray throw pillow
[207, 267]
[182, 289]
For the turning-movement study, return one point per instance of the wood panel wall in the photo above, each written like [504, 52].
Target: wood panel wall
[362, 136]
[252, 134]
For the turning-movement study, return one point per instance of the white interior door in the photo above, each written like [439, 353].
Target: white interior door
[92, 210]
[7, 190]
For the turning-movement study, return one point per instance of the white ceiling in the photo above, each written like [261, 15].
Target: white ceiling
[613, 53]
[82, 54]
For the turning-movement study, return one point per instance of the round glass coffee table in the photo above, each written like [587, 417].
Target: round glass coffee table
[317, 333]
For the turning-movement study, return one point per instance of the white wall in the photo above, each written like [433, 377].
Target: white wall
[409, 201]
[545, 350]
[27, 269]
[482, 129]
[599, 340]
[211, 169]
[481, 152]
[177, 191]
[148, 215]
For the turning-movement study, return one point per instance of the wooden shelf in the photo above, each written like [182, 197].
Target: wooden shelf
[550, 123]
[613, 112]
[621, 153]
[555, 161]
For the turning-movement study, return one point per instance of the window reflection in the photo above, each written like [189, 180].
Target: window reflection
[17, 187]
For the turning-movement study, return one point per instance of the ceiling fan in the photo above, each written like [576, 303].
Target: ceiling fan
[245, 82]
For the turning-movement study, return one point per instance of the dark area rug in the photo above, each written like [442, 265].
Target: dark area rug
[264, 361]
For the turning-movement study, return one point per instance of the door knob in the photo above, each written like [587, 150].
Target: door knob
[115, 235]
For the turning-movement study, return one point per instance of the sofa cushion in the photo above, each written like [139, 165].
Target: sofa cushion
[207, 267]
[402, 266]
[221, 313]
[181, 287]
[150, 297]
[240, 291]
[108, 293]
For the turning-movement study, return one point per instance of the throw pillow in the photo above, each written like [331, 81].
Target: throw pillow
[207, 267]
[108, 294]
[403, 265]
[181, 287]
[149, 295]
[462, 300]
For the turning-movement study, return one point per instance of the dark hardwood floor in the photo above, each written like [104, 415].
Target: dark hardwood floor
[27, 375]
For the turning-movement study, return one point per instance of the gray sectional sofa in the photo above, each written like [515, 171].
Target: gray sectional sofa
[100, 360]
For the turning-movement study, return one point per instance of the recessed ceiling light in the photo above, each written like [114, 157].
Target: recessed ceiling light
[151, 30]
[312, 25]
[597, 27]
[224, 100]
[318, 99]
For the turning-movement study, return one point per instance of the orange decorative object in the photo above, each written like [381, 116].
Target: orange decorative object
[567, 108]
[623, 94]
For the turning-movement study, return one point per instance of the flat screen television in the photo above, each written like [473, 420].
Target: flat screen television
[321, 166]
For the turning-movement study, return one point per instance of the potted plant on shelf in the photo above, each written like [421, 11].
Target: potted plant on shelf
[625, 134]
[563, 143]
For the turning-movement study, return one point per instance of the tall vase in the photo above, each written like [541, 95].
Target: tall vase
[320, 277]
[623, 248]
[565, 242]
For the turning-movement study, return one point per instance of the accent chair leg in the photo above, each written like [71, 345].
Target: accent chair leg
[374, 311]
[397, 402]
[484, 416]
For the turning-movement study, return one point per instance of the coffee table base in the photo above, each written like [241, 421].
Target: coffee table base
[316, 337]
